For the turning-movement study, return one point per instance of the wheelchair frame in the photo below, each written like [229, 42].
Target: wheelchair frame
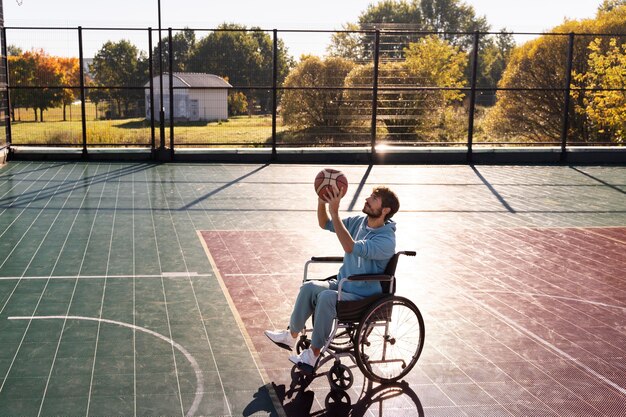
[355, 331]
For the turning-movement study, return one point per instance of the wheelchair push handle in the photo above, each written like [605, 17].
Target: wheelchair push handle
[408, 252]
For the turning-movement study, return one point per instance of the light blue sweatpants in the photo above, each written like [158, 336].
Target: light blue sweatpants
[319, 297]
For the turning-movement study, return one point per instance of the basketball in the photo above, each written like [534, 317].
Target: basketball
[328, 177]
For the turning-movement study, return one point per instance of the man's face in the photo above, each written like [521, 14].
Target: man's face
[373, 206]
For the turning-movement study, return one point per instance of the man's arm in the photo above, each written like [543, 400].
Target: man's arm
[342, 233]
[322, 215]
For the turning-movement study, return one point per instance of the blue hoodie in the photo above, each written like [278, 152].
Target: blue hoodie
[372, 250]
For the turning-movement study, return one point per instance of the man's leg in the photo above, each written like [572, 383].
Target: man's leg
[306, 304]
[303, 309]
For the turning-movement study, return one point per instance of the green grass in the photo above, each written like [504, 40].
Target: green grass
[243, 130]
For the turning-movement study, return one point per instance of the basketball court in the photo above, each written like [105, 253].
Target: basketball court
[141, 289]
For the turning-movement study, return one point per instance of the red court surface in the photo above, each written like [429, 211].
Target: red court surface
[519, 321]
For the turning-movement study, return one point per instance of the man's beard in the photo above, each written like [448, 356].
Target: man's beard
[372, 213]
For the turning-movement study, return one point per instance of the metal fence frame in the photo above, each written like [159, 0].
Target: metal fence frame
[160, 150]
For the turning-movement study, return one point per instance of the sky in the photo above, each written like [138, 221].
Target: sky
[514, 15]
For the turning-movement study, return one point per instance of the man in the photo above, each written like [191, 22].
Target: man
[369, 242]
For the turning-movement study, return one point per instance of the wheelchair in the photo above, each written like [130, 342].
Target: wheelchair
[383, 334]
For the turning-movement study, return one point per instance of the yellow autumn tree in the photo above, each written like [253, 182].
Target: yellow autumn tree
[605, 110]
[530, 105]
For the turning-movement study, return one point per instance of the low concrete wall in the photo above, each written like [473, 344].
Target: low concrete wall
[345, 155]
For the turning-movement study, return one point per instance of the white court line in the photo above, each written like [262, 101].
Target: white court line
[260, 275]
[194, 364]
[165, 275]
[547, 344]
[534, 294]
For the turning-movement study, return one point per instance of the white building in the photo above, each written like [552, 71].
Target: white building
[197, 96]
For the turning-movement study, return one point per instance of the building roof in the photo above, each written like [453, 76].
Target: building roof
[199, 79]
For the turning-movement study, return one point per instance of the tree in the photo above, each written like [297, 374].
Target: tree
[313, 107]
[244, 56]
[118, 64]
[535, 115]
[237, 104]
[610, 5]
[407, 113]
[183, 44]
[452, 16]
[494, 55]
[70, 75]
[35, 69]
[605, 110]
[389, 15]
[347, 43]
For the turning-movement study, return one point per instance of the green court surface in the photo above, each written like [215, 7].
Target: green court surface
[114, 302]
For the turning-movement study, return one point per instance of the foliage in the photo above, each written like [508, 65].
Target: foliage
[494, 54]
[243, 56]
[183, 44]
[36, 69]
[237, 104]
[119, 64]
[409, 113]
[452, 16]
[541, 63]
[605, 111]
[312, 106]
[347, 43]
[70, 75]
[610, 5]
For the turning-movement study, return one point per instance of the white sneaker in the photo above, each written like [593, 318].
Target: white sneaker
[282, 338]
[307, 357]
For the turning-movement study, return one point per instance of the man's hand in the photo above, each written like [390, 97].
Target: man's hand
[333, 198]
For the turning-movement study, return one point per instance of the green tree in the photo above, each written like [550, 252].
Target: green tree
[243, 56]
[494, 56]
[409, 113]
[119, 64]
[312, 107]
[389, 15]
[183, 44]
[605, 110]
[535, 115]
[452, 16]
[347, 43]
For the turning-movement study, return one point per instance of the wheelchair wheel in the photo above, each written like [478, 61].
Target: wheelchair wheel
[340, 377]
[389, 339]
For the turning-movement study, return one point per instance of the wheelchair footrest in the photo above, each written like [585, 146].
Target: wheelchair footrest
[305, 368]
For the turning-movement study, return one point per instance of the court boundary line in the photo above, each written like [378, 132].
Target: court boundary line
[242, 328]
[164, 275]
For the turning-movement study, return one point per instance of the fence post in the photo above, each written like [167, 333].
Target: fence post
[566, 98]
[82, 89]
[472, 101]
[375, 95]
[274, 93]
[151, 69]
[5, 58]
[171, 77]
